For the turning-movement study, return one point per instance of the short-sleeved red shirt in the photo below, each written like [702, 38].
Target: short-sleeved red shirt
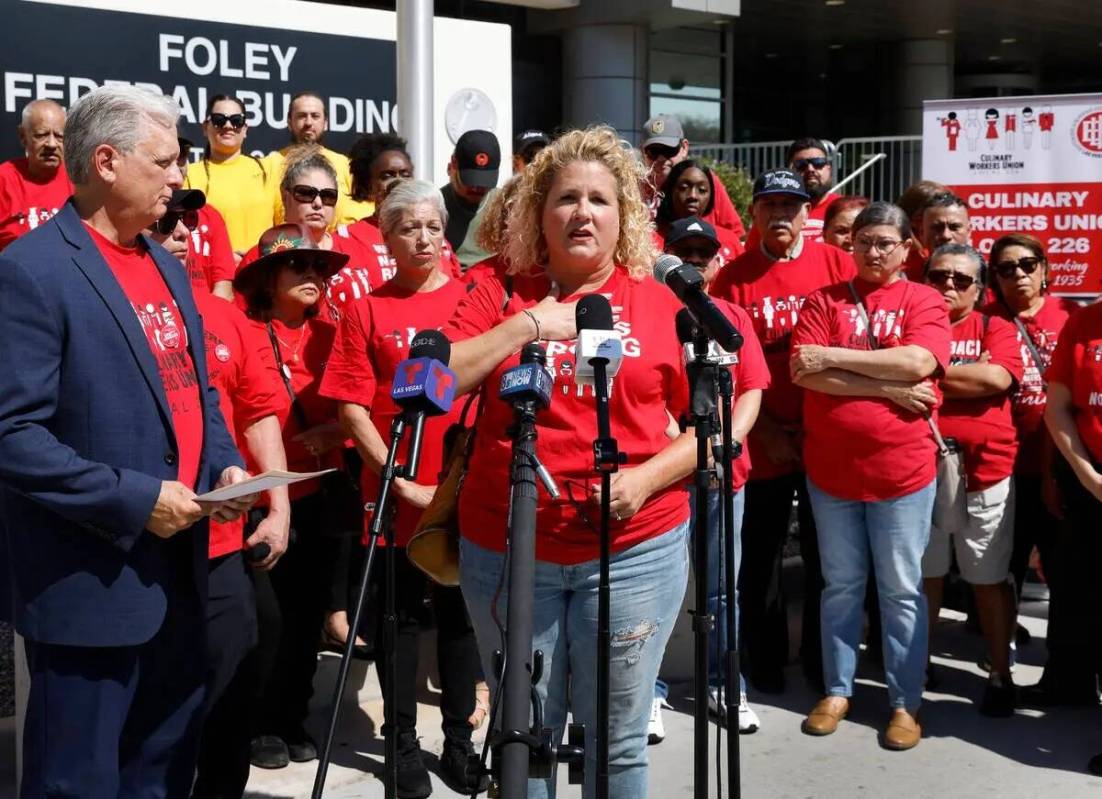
[166, 333]
[26, 203]
[1077, 364]
[374, 336]
[651, 380]
[983, 426]
[239, 362]
[210, 254]
[862, 448]
[772, 292]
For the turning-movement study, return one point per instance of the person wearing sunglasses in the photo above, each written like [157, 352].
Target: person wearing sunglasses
[235, 182]
[1022, 297]
[808, 158]
[985, 369]
[211, 262]
[866, 351]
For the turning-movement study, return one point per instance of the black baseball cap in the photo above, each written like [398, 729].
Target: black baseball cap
[691, 227]
[780, 181]
[478, 156]
[530, 139]
[186, 200]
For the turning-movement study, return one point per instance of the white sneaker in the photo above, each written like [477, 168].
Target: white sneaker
[748, 720]
[656, 730]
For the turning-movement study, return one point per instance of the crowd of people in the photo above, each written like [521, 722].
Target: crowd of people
[173, 326]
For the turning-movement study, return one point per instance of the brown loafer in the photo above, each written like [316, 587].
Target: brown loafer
[824, 717]
[903, 731]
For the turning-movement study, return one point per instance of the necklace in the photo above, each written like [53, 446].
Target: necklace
[294, 350]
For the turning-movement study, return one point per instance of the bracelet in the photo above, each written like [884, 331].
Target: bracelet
[535, 321]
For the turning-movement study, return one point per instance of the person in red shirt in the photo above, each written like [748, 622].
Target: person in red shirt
[913, 202]
[985, 367]
[1073, 416]
[284, 291]
[771, 282]
[33, 188]
[808, 158]
[690, 191]
[374, 338]
[211, 263]
[865, 351]
[579, 215]
[838, 222]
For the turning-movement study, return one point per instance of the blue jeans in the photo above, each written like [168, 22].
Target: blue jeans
[895, 532]
[717, 594]
[647, 585]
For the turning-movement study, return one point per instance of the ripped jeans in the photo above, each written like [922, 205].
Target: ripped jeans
[648, 583]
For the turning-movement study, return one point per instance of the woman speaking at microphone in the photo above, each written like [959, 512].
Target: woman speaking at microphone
[373, 339]
[578, 226]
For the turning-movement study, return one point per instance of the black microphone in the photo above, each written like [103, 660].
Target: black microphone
[686, 326]
[687, 283]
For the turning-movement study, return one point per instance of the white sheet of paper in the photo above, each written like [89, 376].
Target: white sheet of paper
[258, 483]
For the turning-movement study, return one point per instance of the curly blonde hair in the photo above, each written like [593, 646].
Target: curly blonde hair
[524, 245]
[491, 234]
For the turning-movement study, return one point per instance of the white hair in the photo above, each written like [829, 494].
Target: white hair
[406, 195]
[29, 108]
[113, 115]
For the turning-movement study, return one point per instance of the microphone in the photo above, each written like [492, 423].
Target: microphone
[423, 383]
[688, 285]
[686, 333]
[596, 339]
[529, 383]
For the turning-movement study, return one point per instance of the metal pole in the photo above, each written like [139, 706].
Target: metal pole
[415, 100]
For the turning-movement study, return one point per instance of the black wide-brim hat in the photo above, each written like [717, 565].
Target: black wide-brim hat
[281, 244]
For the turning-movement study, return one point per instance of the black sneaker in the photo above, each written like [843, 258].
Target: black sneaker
[999, 698]
[413, 778]
[1072, 693]
[459, 771]
[301, 748]
[1094, 765]
[268, 751]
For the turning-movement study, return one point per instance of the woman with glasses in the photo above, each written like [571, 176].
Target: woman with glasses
[235, 182]
[867, 350]
[985, 368]
[1022, 297]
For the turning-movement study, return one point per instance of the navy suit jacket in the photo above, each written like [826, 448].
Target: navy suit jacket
[86, 438]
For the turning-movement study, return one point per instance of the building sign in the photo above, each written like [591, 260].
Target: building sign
[1026, 165]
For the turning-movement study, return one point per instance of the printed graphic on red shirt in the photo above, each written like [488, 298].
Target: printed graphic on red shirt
[210, 255]
[26, 203]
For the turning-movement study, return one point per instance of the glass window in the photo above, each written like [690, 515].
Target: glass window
[686, 66]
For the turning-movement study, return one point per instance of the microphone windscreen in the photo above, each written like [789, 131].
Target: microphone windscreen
[686, 325]
[533, 353]
[664, 265]
[431, 344]
[593, 313]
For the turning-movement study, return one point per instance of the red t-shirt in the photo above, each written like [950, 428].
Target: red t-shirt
[1077, 364]
[164, 329]
[983, 426]
[210, 254]
[304, 352]
[915, 265]
[489, 266]
[1031, 395]
[723, 213]
[861, 448]
[239, 362]
[651, 380]
[26, 203]
[772, 292]
[373, 338]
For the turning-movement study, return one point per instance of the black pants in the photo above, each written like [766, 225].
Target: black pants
[291, 601]
[761, 595]
[223, 768]
[456, 650]
[1034, 526]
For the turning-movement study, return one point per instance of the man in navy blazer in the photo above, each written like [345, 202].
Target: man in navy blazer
[105, 547]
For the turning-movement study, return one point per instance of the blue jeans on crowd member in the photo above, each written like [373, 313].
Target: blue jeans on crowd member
[648, 583]
[895, 532]
[717, 595]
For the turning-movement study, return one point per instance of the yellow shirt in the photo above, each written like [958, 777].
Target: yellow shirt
[243, 192]
[347, 210]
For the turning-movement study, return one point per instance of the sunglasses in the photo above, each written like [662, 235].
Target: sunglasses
[800, 164]
[237, 121]
[307, 194]
[941, 277]
[1007, 269]
[167, 223]
[656, 151]
[301, 265]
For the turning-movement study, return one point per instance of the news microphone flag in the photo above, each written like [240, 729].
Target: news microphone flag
[423, 383]
[524, 382]
[596, 339]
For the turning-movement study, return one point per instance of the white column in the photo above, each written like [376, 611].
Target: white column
[414, 54]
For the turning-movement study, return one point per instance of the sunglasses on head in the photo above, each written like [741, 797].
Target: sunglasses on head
[941, 277]
[167, 223]
[1007, 269]
[237, 121]
[656, 151]
[307, 194]
[800, 164]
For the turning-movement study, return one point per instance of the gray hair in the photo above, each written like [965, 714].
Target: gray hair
[116, 116]
[406, 195]
[303, 159]
[953, 248]
[882, 213]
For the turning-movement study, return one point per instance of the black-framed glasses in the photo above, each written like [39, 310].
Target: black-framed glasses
[237, 121]
[800, 164]
[307, 194]
[883, 246]
[167, 223]
[941, 277]
[1007, 269]
[656, 151]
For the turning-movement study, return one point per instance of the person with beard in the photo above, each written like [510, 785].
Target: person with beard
[34, 187]
[307, 122]
[808, 158]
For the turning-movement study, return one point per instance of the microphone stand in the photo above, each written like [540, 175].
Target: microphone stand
[381, 521]
[732, 693]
